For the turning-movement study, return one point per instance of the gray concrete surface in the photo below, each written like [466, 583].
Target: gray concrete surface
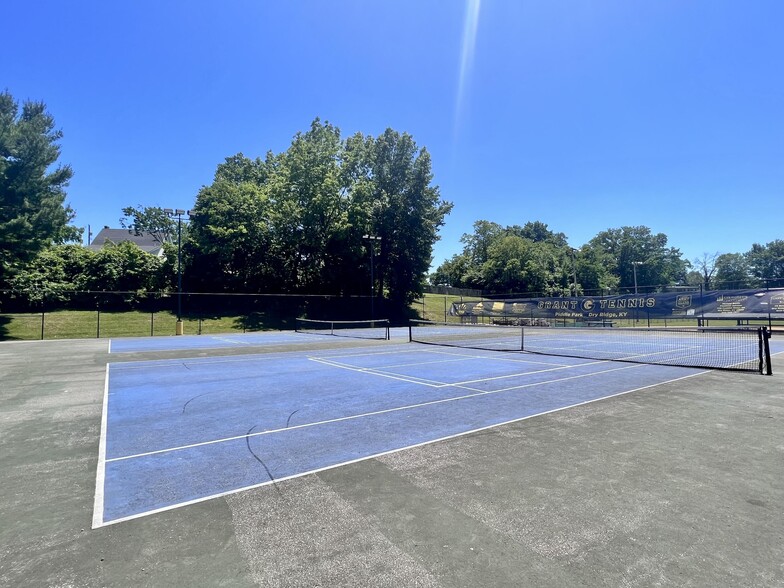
[677, 485]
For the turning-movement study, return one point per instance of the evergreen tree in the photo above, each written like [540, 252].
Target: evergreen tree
[33, 213]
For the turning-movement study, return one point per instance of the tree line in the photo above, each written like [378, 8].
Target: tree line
[532, 259]
[330, 216]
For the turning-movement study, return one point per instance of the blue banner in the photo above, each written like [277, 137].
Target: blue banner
[711, 304]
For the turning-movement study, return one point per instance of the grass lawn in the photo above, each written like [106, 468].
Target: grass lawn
[82, 324]
[435, 307]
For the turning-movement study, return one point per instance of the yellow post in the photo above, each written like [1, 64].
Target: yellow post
[179, 328]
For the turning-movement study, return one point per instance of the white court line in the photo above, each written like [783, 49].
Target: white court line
[515, 357]
[100, 473]
[228, 340]
[383, 453]
[552, 369]
[417, 363]
[385, 374]
[475, 393]
[367, 353]
[378, 372]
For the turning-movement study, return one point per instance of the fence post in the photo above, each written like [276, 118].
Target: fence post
[43, 313]
[152, 324]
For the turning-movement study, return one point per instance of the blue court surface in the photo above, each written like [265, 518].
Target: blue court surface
[180, 431]
[231, 340]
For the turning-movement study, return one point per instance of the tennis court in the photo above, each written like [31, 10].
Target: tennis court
[169, 425]
[298, 459]
[257, 339]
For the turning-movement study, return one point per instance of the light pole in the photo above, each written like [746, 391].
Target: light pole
[634, 268]
[372, 239]
[574, 268]
[178, 212]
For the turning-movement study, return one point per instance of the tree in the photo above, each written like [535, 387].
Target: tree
[476, 245]
[660, 264]
[706, 266]
[407, 213]
[694, 278]
[57, 272]
[124, 267]
[766, 262]
[33, 213]
[231, 245]
[594, 270]
[538, 232]
[510, 259]
[151, 220]
[296, 221]
[732, 271]
[452, 272]
[310, 208]
[54, 273]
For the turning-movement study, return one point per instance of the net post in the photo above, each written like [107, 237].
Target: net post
[765, 350]
[522, 338]
[410, 333]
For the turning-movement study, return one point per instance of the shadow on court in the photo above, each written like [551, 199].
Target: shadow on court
[676, 484]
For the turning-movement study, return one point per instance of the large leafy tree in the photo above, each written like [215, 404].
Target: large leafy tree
[594, 270]
[732, 271]
[513, 259]
[33, 213]
[406, 213]
[310, 212]
[297, 221]
[658, 264]
[766, 262]
[230, 244]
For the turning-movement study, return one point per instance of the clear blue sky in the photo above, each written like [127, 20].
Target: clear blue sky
[585, 115]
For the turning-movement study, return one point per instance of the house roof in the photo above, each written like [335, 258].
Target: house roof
[146, 241]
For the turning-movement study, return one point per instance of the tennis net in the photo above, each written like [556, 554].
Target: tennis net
[372, 329]
[738, 349]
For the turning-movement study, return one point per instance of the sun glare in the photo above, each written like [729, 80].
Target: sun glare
[467, 56]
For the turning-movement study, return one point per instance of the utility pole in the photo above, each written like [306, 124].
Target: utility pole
[178, 214]
[634, 267]
[372, 239]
